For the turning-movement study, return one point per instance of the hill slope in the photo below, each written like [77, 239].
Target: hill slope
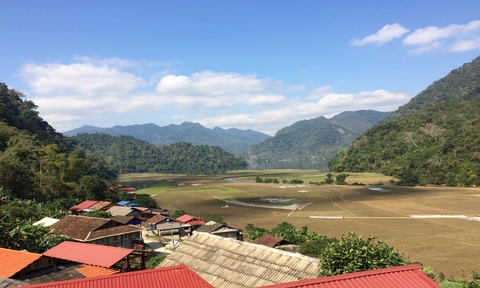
[233, 140]
[432, 139]
[318, 138]
[131, 155]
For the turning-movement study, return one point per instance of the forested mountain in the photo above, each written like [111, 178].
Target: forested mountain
[319, 138]
[232, 140]
[434, 139]
[38, 163]
[132, 155]
[460, 84]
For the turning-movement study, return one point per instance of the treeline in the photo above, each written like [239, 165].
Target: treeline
[38, 163]
[131, 155]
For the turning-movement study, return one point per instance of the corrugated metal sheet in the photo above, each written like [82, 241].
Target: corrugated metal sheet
[94, 271]
[172, 277]
[225, 262]
[13, 261]
[84, 205]
[395, 277]
[92, 254]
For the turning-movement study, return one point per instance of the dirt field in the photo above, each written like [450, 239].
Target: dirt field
[447, 245]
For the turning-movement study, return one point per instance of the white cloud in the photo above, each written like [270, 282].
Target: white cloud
[104, 94]
[456, 38]
[269, 121]
[384, 35]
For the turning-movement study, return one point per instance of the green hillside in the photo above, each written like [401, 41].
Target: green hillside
[38, 163]
[434, 139]
[131, 155]
[319, 138]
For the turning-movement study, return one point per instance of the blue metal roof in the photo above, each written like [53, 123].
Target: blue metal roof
[123, 203]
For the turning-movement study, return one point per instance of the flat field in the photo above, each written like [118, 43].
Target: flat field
[450, 246]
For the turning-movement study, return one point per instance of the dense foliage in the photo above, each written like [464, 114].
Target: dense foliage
[35, 161]
[352, 253]
[232, 140]
[130, 155]
[318, 138]
[16, 224]
[438, 145]
[437, 142]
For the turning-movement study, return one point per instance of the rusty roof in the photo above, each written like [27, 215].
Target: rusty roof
[123, 211]
[100, 205]
[94, 271]
[396, 277]
[83, 228]
[173, 277]
[85, 253]
[269, 240]
[210, 227]
[78, 227]
[228, 263]
[122, 219]
[13, 261]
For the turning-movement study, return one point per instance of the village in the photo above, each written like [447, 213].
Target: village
[100, 252]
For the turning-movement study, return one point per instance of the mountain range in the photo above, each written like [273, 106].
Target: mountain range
[318, 138]
[233, 140]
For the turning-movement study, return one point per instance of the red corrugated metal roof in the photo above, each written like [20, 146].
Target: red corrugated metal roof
[395, 277]
[13, 261]
[84, 205]
[192, 220]
[185, 218]
[172, 277]
[93, 254]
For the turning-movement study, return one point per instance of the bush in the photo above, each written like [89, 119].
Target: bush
[154, 261]
[352, 253]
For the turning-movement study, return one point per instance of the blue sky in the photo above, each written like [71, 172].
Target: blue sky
[259, 65]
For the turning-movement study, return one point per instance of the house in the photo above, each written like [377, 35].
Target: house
[220, 229]
[191, 220]
[127, 220]
[124, 211]
[225, 262]
[79, 208]
[152, 222]
[173, 230]
[13, 262]
[395, 277]
[275, 242]
[101, 205]
[114, 258]
[97, 231]
[179, 276]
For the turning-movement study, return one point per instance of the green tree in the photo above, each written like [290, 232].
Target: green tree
[340, 179]
[93, 187]
[352, 253]
[98, 214]
[178, 213]
[329, 180]
[213, 217]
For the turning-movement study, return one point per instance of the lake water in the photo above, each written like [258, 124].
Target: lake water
[318, 165]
